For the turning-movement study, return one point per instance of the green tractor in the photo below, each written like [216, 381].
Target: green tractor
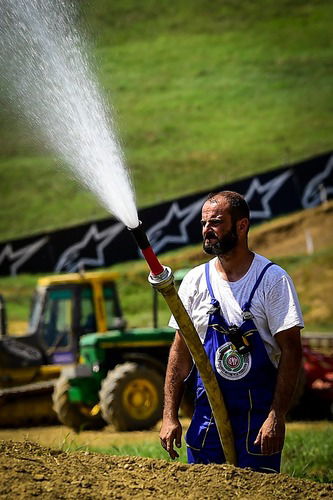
[64, 308]
[113, 374]
[119, 379]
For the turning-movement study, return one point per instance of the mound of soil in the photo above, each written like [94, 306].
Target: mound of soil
[28, 470]
[288, 235]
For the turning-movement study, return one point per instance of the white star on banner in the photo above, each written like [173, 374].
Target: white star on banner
[69, 261]
[157, 234]
[267, 191]
[21, 255]
[311, 195]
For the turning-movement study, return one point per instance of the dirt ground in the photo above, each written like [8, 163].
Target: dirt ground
[29, 469]
[291, 235]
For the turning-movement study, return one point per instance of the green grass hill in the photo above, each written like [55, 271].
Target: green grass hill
[204, 93]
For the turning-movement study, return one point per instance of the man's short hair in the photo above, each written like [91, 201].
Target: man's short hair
[238, 207]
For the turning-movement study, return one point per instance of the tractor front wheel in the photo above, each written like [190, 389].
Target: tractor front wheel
[74, 415]
[131, 397]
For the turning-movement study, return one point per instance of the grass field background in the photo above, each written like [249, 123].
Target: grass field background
[203, 93]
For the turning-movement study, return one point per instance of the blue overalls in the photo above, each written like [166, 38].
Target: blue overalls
[247, 382]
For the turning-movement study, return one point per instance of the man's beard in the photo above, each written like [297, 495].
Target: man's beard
[223, 245]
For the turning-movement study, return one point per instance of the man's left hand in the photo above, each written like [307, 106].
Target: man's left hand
[271, 435]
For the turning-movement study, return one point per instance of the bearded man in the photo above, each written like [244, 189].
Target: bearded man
[247, 314]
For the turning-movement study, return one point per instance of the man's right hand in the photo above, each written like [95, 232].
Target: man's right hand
[170, 433]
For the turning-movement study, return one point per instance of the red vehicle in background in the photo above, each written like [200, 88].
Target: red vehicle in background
[314, 398]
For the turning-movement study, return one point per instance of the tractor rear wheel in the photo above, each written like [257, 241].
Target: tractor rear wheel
[76, 416]
[131, 397]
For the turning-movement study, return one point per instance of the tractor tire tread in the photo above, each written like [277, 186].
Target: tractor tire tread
[110, 396]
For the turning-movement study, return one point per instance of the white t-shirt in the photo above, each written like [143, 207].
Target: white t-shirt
[275, 305]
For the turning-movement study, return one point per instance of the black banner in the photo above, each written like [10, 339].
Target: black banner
[168, 225]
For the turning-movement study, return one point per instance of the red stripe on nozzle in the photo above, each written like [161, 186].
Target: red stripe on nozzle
[152, 261]
[147, 251]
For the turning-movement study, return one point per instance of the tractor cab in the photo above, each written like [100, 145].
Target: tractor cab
[64, 308]
[69, 306]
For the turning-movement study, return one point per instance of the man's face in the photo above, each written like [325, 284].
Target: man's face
[218, 231]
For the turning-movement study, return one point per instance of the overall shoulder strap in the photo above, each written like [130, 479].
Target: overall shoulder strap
[209, 285]
[247, 304]
[215, 303]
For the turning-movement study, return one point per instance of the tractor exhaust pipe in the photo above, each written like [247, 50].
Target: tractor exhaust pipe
[161, 278]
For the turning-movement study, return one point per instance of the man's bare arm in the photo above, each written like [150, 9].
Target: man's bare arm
[178, 368]
[272, 433]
